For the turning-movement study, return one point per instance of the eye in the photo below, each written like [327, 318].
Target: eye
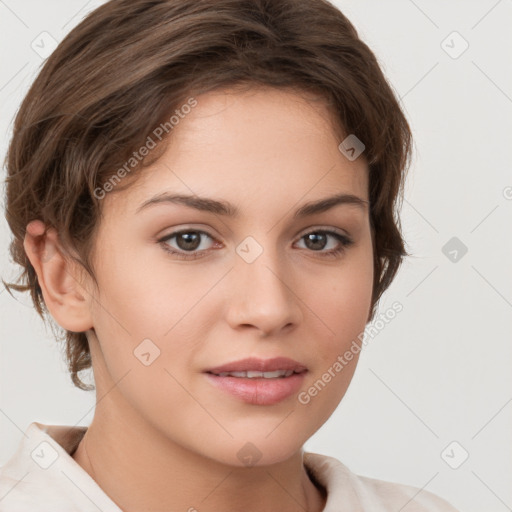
[188, 241]
[318, 240]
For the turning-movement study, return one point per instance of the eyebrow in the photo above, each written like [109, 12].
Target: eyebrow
[224, 208]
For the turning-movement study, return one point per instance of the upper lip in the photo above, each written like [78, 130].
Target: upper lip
[260, 365]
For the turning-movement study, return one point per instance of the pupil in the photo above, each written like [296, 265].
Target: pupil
[191, 241]
[314, 238]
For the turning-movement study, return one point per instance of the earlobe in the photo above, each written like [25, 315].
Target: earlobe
[58, 276]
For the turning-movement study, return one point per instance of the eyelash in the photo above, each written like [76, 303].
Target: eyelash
[344, 240]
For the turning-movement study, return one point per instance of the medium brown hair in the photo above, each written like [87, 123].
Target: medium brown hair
[130, 64]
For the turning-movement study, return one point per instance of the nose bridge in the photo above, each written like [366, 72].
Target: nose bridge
[262, 294]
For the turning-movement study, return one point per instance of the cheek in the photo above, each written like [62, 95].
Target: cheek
[344, 298]
[343, 308]
[149, 318]
[146, 331]
[143, 294]
[337, 350]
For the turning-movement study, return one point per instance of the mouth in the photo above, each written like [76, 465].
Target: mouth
[252, 374]
[253, 367]
[259, 381]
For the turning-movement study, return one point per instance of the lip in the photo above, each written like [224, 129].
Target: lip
[260, 365]
[259, 390]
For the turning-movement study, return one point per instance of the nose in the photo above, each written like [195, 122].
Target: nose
[263, 295]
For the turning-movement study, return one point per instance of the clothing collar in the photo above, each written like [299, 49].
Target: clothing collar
[43, 469]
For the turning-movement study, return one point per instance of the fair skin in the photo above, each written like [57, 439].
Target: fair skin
[163, 437]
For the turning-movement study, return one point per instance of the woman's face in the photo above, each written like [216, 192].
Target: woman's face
[274, 280]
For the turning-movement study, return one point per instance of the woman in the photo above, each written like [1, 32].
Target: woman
[202, 195]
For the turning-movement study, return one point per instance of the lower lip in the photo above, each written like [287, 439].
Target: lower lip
[259, 391]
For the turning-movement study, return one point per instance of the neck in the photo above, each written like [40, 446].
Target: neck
[140, 470]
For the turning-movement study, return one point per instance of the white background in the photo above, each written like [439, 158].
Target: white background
[440, 371]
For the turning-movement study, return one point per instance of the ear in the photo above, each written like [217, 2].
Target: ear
[59, 278]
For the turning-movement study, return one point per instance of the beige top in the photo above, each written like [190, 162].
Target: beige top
[42, 476]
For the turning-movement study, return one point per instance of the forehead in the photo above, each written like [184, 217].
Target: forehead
[264, 145]
[261, 118]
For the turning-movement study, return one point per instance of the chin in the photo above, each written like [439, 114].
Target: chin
[256, 450]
